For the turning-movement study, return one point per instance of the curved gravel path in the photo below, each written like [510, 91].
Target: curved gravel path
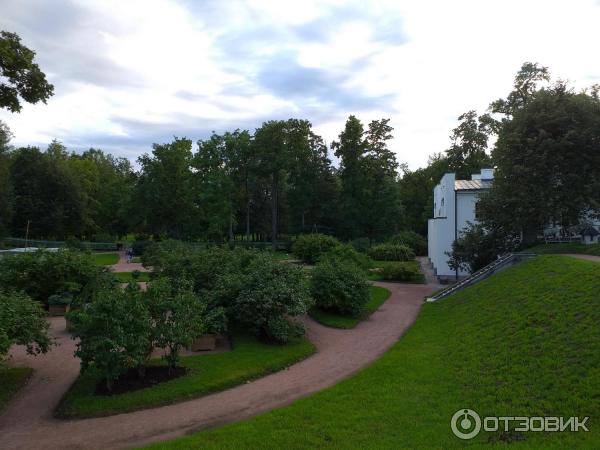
[28, 422]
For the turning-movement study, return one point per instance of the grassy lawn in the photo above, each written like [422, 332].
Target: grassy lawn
[376, 276]
[11, 380]
[571, 247]
[378, 296]
[208, 373]
[126, 277]
[524, 342]
[136, 259]
[106, 259]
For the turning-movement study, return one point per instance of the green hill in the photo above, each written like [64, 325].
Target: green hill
[525, 342]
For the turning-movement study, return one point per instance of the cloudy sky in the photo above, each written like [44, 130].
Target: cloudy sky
[130, 73]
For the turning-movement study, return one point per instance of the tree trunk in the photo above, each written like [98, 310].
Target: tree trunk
[248, 220]
[231, 227]
[303, 221]
[274, 205]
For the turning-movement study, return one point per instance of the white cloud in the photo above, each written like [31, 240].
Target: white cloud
[131, 73]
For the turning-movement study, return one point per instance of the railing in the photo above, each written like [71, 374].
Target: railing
[20, 242]
[484, 272]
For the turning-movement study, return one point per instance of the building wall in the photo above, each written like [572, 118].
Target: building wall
[441, 227]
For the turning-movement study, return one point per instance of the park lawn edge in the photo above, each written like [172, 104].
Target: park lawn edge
[345, 322]
[12, 380]
[302, 349]
[126, 277]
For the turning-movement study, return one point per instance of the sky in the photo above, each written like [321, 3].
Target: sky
[131, 73]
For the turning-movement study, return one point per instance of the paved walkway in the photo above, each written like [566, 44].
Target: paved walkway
[586, 257]
[28, 422]
[124, 266]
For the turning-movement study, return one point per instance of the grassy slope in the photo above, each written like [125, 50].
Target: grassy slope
[11, 380]
[248, 360]
[378, 296]
[573, 247]
[106, 259]
[523, 342]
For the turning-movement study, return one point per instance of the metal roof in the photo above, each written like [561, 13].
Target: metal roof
[589, 231]
[471, 185]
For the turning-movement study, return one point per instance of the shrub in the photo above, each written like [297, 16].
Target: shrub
[339, 287]
[411, 239]
[345, 252]
[272, 294]
[391, 252]
[43, 274]
[136, 274]
[402, 271]
[114, 333]
[22, 322]
[310, 247]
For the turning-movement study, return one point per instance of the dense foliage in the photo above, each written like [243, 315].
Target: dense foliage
[22, 322]
[251, 287]
[43, 274]
[391, 252]
[340, 287]
[114, 333]
[310, 247]
[272, 294]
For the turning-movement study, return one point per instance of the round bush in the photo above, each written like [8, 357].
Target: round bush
[339, 287]
[310, 247]
[272, 294]
[391, 252]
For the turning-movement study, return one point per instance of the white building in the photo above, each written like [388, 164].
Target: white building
[454, 204]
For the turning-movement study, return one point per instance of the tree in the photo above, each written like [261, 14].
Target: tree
[21, 76]
[353, 202]
[5, 185]
[526, 85]
[548, 163]
[114, 334]
[215, 187]
[381, 170]
[22, 322]
[468, 152]
[165, 200]
[178, 316]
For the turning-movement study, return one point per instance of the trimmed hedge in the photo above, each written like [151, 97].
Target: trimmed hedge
[402, 271]
[391, 252]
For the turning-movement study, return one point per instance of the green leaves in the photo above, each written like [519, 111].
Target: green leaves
[22, 322]
[21, 76]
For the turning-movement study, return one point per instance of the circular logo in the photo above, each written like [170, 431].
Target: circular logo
[465, 424]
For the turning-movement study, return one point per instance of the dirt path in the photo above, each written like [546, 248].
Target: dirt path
[586, 257]
[28, 422]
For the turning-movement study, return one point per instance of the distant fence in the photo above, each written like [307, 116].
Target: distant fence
[20, 242]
